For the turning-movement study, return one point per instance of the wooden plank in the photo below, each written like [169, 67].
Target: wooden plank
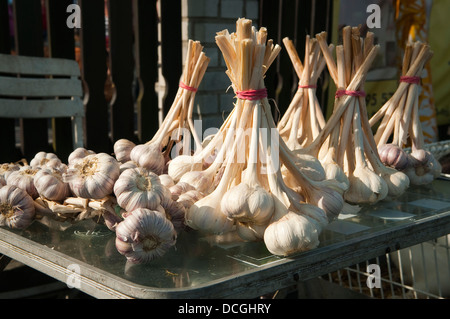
[37, 65]
[40, 108]
[48, 87]
[9, 152]
[61, 43]
[171, 51]
[146, 59]
[94, 58]
[121, 68]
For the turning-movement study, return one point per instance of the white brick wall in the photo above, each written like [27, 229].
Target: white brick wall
[201, 20]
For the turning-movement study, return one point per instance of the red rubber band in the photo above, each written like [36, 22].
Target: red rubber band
[307, 86]
[252, 95]
[340, 93]
[187, 87]
[410, 79]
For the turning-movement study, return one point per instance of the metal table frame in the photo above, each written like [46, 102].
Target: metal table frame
[251, 283]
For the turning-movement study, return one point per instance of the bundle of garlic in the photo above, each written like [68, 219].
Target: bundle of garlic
[177, 125]
[243, 186]
[303, 119]
[399, 119]
[346, 142]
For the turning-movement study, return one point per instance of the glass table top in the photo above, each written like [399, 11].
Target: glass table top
[198, 260]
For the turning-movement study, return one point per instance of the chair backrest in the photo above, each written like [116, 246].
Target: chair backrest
[36, 87]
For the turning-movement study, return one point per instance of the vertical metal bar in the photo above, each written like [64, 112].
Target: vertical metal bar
[94, 58]
[381, 279]
[438, 282]
[411, 262]
[424, 265]
[389, 267]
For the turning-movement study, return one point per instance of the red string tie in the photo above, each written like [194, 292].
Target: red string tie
[410, 79]
[187, 87]
[340, 93]
[252, 95]
[307, 86]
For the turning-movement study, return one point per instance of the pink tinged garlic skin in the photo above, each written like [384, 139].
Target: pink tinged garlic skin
[122, 149]
[393, 156]
[176, 212]
[93, 176]
[41, 159]
[144, 235]
[180, 188]
[24, 179]
[200, 180]
[16, 207]
[138, 188]
[50, 185]
[149, 156]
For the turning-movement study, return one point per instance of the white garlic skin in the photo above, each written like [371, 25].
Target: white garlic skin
[50, 185]
[180, 188]
[138, 188]
[77, 154]
[93, 176]
[149, 156]
[182, 164]
[144, 235]
[200, 180]
[366, 187]
[251, 232]
[16, 207]
[205, 215]
[41, 158]
[126, 165]
[291, 234]
[24, 179]
[166, 180]
[247, 204]
[189, 198]
[122, 149]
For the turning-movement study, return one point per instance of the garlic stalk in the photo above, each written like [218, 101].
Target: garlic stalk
[178, 119]
[398, 118]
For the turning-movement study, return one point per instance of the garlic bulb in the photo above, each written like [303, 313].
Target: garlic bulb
[78, 154]
[291, 233]
[138, 188]
[149, 156]
[50, 185]
[175, 212]
[16, 207]
[7, 168]
[188, 198]
[41, 159]
[129, 164]
[180, 188]
[93, 176]
[122, 149]
[393, 156]
[166, 180]
[144, 235]
[182, 164]
[24, 179]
